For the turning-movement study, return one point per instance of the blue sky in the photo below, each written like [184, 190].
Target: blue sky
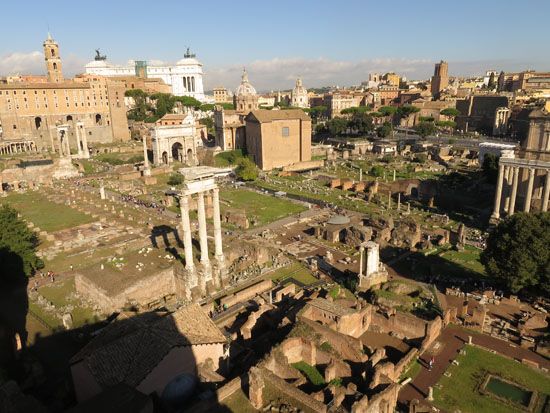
[326, 42]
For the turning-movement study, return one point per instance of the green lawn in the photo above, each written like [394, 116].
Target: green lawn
[310, 372]
[45, 214]
[296, 271]
[460, 391]
[468, 258]
[263, 208]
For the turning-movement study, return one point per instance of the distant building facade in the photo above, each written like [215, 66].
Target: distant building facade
[277, 138]
[184, 78]
[31, 111]
[440, 79]
[483, 113]
[221, 95]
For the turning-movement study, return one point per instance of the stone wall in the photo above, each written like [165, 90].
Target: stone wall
[142, 292]
[266, 386]
[348, 347]
[405, 325]
[247, 293]
[433, 330]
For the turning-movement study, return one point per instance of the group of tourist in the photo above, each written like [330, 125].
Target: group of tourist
[140, 202]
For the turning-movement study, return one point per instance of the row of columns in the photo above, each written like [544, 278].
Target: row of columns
[201, 282]
[10, 148]
[511, 174]
[189, 83]
[81, 140]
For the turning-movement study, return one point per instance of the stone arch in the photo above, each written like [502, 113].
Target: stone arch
[165, 157]
[98, 119]
[38, 122]
[177, 151]
[69, 118]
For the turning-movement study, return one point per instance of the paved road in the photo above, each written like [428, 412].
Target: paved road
[453, 338]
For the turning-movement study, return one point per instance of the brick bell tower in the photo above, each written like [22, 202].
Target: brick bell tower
[53, 60]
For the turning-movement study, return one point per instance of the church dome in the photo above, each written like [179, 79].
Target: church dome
[299, 88]
[245, 88]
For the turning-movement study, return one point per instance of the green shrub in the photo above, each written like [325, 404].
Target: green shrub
[175, 179]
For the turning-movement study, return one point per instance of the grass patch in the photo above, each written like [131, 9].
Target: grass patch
[412, 371]
[262, 208]
[311, 372]
[468, 258]
[45, 214]
[296, 271]
[60, 295]
[461, 390]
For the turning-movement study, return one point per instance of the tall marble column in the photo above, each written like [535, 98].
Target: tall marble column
[203, 240]
[498, 194]
[78, 137]
[84, 138]
[217, 225]
[509, 172]
[514, 190]
[187, 241]
[529, 194]
[146, 169]
[361, 253]
[546, 192]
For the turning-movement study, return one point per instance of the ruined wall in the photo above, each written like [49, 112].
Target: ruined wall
[247, 293]
[142, 292]
[348, 347]
[405, 325]
[265, 387]
[433, 330]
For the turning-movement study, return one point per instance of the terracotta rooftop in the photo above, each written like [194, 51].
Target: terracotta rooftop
[283, 114]
[127, 350]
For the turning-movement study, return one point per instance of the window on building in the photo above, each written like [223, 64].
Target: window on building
[285, 131]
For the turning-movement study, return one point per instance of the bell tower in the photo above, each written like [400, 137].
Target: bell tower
[53, 60]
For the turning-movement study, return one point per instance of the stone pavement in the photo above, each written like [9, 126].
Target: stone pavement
[452, 339]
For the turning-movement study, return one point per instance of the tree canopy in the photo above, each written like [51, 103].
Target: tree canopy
[18, 245]
[384, 130]
[246, 169]
[387, 110]
[425, 129]
[450, 112]
[517, 252]
[406, 110]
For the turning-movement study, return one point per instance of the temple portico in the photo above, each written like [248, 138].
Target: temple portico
[15, 147]
[207, 275]
[528, 177]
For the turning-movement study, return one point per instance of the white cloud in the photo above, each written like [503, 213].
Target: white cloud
[32, 63]
[280, 73]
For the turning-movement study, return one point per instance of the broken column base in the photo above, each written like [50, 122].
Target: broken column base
[367, 282]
